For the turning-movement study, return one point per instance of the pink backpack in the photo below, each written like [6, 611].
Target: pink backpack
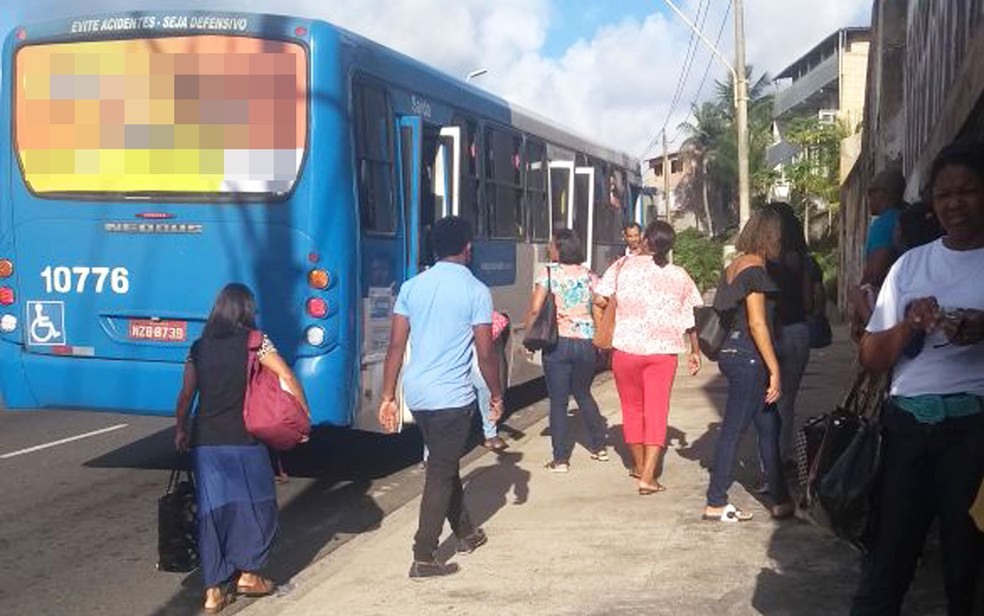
[271, 414]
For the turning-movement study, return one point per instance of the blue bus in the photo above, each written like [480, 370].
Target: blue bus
[155, 156]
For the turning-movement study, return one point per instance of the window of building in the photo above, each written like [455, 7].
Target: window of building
[374, 159]
[676, 166]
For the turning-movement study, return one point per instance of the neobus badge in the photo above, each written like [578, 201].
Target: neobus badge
[172, 228]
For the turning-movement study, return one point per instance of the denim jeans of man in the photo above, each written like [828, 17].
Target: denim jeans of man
[445, 433]
[748, 379]
[794, 353]
[929, 470]
[569, 369]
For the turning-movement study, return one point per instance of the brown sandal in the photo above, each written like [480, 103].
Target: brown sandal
[226, 599]
[261, 588]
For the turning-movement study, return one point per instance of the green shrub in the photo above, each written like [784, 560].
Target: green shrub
[828, 258]
[700, 256]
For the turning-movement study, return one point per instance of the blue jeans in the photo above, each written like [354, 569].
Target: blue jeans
[748, 380]
[569, 369]
[484, 398]
[794, 354]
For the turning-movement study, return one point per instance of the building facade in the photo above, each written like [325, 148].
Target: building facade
[924, 89]
[828, 83]
[684, 200]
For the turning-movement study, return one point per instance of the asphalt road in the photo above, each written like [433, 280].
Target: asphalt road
[78, 525]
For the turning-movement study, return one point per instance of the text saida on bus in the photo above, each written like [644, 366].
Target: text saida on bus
[157, 156]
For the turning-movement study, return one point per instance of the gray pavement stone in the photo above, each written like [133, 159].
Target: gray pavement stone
[586, 543]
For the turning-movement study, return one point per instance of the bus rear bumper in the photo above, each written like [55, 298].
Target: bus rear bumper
[33, 381]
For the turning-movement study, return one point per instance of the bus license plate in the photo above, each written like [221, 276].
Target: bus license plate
[158, 331]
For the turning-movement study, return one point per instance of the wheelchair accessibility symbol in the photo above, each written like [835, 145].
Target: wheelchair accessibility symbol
[47, 323]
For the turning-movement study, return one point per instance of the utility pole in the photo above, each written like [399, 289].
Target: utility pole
[741, 116]
[740, 78]
[666, 176]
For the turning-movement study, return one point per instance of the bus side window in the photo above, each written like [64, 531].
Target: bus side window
[536, 191]
[608, 206]
[470, 207]
[374, 159]
[503, 188]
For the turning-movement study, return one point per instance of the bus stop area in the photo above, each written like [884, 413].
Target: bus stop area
[586, 542]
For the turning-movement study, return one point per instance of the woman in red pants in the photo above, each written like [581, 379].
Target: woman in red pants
[655, 303]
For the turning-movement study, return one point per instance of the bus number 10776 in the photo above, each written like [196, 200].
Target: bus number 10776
[63, 279]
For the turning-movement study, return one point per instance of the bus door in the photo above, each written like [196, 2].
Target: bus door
[583, 213]
[426, 164]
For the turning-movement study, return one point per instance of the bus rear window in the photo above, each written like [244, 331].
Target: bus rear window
[194, 115]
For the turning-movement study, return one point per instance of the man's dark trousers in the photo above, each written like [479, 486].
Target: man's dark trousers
[445, 433]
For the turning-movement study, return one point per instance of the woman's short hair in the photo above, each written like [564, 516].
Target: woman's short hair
[659, 239]
[450, 235]
[762, 234]
[234, 310]
[959, 153]
[569, 249]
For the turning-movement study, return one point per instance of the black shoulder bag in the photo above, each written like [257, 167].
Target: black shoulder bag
[542, 333]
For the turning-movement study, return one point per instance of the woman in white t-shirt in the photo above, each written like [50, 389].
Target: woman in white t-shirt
[928, 329]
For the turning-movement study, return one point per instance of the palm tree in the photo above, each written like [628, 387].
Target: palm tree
[712, 139]
[704, 135]
[760, 103]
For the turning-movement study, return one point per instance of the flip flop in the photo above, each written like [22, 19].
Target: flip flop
[730, 514]
[646, 491]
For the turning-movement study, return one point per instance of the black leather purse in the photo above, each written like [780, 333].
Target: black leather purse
[712, 330]
[177, 531]
[542, 333]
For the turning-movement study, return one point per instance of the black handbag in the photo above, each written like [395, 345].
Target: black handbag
[712, 330]
[821, 335]
[844, 465]
[846, 489]
[177, 531]
[542, 333]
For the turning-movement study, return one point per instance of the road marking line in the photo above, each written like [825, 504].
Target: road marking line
[21, 452]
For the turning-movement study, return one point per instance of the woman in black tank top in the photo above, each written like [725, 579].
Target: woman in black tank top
[234, 484]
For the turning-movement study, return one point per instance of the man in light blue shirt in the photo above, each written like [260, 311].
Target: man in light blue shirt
[443, 312]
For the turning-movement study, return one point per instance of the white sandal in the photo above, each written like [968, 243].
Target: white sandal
[729, 514]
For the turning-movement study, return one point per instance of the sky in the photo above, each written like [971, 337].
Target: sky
[608, 69]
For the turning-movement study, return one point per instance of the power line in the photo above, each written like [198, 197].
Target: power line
[688, 61]
[710, 61]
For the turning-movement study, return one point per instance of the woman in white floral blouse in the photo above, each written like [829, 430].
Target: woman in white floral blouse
[569, 367]
[655, 303]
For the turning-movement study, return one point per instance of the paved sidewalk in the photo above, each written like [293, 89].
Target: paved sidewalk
[587, 543]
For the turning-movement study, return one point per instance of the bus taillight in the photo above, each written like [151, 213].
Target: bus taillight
[314, 335]
[317, 307]
[6, 268]
[6, 296]
[318, 279]
[21, 34]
